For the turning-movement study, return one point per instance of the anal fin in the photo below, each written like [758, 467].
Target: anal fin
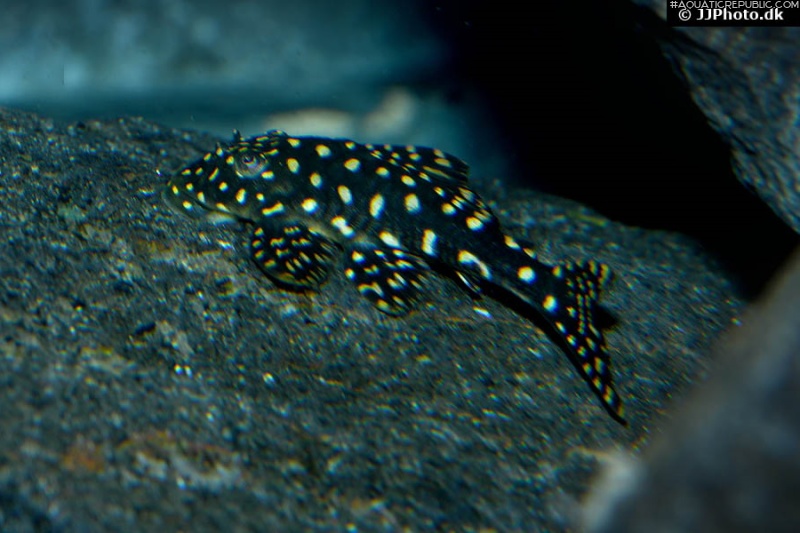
[388, 277]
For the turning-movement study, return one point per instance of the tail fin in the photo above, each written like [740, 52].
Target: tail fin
[571, 309]
[566, 296]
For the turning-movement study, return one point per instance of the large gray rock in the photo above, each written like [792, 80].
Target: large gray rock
[730, 461]
[155, 380]
[747, 82]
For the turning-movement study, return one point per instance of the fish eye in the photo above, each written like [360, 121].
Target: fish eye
[249, 164]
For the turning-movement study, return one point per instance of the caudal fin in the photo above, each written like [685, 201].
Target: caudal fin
[571, 310]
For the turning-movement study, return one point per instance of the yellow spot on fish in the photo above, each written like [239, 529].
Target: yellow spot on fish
[350, 145]
[223, 186]
[558, 271]
[315, 179]
[376, 205]
[241, 196]
[186, 172]
[448, 209]
[412, 203]
[293, 164]
[389, 239]
[213, 175]
[549, 303]
[230, 159]
[199, 171]
[345, 194]
[571, 340]
[323, 151]
[201, 196]
[357, 256]
[429, 242]
[268, 175]
[352, 164]
[474, 224]
[383, 172]
[295, 143]
[511, 243]
[608, 397]
[341, 224]
[187, 204]
[408, 180]
[272, 210]
[309, 205]
[190, 186]
[483, 214]
[467, 194]
[526, 274]
[370, 287]
[260, 197]
[175, 190]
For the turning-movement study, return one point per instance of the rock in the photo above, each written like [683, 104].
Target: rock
[730, 460]
[747, 82]
[156, 380]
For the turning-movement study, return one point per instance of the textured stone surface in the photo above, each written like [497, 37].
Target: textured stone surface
[747, 82]
[730, 461]
[155, 380]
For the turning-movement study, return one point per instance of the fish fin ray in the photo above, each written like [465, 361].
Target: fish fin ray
[429, 161]
[575, 313]
[293, 254]
[392, 279]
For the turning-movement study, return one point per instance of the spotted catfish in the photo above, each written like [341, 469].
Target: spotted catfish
[394, 212]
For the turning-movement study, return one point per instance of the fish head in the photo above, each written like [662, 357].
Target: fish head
[222, 183]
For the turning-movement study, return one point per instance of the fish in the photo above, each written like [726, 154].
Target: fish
[396, 214]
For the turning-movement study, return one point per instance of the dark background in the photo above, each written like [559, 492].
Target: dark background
[591, 110]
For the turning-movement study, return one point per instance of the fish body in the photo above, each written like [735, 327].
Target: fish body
[393, 211]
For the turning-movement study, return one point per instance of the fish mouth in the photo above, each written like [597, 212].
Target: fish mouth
[188, 205]
[183, 202]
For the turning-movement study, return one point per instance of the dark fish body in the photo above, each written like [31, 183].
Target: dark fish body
[393, 211]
